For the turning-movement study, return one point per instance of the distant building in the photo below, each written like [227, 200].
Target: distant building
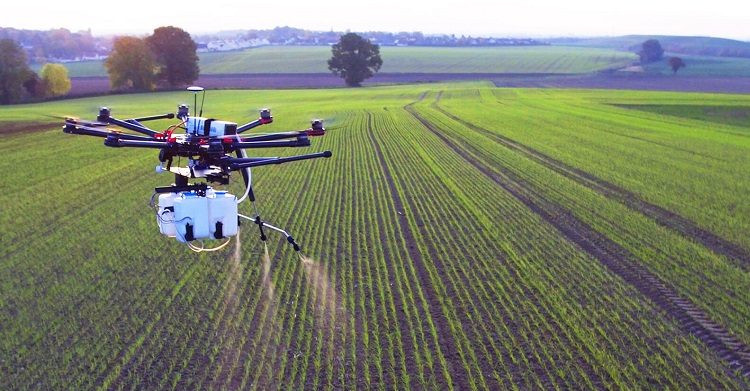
[224, 45]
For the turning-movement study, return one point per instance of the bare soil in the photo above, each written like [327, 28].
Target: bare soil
[26, 126]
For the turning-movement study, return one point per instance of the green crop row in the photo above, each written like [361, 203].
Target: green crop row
[421, 271]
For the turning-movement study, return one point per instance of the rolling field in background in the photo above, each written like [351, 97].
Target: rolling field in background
[704, 66]
[462, 236]
[312, 59]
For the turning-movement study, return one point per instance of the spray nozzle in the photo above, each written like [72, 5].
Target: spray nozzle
[294, 244]
[260, 226]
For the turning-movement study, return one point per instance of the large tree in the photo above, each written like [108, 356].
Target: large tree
[55, 79]
[13, 71]
[174, 51]
[354, 59]
[651, 51]
[130, 64]
[676, 63]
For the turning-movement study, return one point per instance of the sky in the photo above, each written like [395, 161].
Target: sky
[531, 18]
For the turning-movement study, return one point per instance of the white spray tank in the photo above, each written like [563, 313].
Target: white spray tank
[222, 214]
[165, 214]
[191, 216]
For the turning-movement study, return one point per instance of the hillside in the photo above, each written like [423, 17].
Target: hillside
[700, 46]
[703, 66]
[312, 59]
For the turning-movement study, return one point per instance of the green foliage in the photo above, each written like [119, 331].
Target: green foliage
[174, 52]
[676, 63]
[354, 59]
[13, 71]
[131, 64]
[651, 51]
[55, 79]
[34, 86]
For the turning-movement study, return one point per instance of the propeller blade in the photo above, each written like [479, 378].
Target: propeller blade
[77, 121]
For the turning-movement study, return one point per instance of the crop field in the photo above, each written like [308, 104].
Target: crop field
[704, 66]
[462, 236]
[312, 59]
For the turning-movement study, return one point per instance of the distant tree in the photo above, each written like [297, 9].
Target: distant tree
[174, 51]
[55, 79]
[354, 59]
[676, 63]
[131, 64]
[651, 51]
[34, 85]
[13, 71]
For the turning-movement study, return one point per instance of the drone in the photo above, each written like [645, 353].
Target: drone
[194, 212]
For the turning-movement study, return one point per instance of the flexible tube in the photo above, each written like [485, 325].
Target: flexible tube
[247, 171]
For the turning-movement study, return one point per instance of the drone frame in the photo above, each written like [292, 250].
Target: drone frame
[213, 160]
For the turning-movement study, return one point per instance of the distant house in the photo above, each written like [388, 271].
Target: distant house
[234, 44]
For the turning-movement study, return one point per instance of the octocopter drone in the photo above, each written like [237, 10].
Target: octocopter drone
[192, 212]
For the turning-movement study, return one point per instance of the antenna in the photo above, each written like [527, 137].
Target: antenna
[195, 90]
[202, 101]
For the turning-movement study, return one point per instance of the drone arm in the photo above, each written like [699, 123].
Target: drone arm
[272, 136]
[311, 132]
[132, 126]
[249, 125]
[87, 131]
[115, 141]
[265, 118]
[252, 159]
[153, 117]
[137, 121]
[299, 142]
[235, 165]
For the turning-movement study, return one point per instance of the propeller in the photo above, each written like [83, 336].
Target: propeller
[329, 123]
[77, 120]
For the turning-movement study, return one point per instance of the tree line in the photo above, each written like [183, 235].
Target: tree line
[18, 82]
[167, 59]
[57, 44]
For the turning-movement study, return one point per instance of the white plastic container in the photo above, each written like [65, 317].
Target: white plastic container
[190, 208]
[222, 208]
[166, 214]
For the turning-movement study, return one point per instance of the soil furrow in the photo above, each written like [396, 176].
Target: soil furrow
[662, 216]
[362, 355]
[617, 259]
[402, 314]
[459, 375]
